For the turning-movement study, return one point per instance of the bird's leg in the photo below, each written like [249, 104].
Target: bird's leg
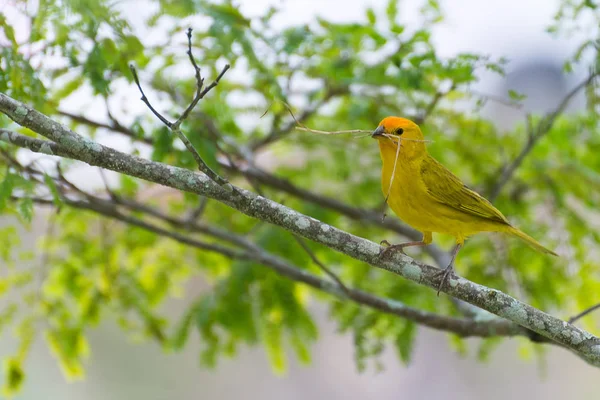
[427, 239]
[449, 270]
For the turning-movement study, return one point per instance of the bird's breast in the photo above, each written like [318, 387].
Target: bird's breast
[406, 194]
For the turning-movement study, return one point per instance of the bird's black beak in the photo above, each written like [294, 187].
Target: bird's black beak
[378, 132]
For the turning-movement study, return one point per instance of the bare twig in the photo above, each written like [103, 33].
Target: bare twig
[343, 132]
[584, 313]
[323, 267]
[541, 129]
[116, 126]
[199, 83]
[106, 185]
[145, 99]
[175, 126]
[433, 104]
[197, 212]
[497, 99]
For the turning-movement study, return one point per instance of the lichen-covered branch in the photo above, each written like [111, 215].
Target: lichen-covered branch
[465, 327]
[266, 178]
[75, 146]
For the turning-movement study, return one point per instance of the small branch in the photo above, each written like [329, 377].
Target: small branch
[116, 127]
[314, 258]
[145, 99]
[35, 145]
[433, 104]
[542, 128]
[197, 212]
[584, 313]
[497, 99]
[175, 126]
[199, 83]
[106, 185]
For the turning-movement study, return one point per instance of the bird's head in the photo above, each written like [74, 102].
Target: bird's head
[395, 130]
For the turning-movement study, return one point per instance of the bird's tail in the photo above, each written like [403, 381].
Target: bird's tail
[529, 240]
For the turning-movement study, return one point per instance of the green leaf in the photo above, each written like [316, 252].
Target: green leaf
[272, 338]
[568, 67]
[56, 197]
[7, 315]
[6, 188]
[392, 11]
[70, 347]
[516, 96]
[129, 185]
[8, 30]
[301, 349]
[26, 209]
[68, 88]
[183, 329]
[14, 376]
[371, 17]
[405, 341]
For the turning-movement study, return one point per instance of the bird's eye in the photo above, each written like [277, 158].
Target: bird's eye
[399, 131]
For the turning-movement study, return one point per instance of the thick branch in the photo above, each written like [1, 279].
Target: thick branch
[581, 342]
[465, 327]
[440, 257]
[263, 177]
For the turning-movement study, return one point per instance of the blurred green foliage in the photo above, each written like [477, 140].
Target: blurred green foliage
[348, 76]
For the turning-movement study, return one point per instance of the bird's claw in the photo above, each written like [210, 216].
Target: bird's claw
[390, 247]
[445, 275]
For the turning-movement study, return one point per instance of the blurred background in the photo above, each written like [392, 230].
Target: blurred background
[119, 369]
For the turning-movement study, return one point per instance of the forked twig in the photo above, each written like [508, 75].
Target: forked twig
[175, 126]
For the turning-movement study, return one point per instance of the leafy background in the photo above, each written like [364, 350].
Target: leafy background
[71, 58]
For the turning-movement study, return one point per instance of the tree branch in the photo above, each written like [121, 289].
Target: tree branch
[584, 313]
[114, 127]
[77, 147]
[542, 128]
[464, 327]
[175, 127]
[263, 177]
[419, 120]
[440, 257]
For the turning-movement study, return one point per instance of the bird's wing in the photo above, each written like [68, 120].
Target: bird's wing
[444, 187]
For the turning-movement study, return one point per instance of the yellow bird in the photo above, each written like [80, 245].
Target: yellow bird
[429, 197]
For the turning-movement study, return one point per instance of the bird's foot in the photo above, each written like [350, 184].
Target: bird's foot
[445, 274]
[391, 247]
